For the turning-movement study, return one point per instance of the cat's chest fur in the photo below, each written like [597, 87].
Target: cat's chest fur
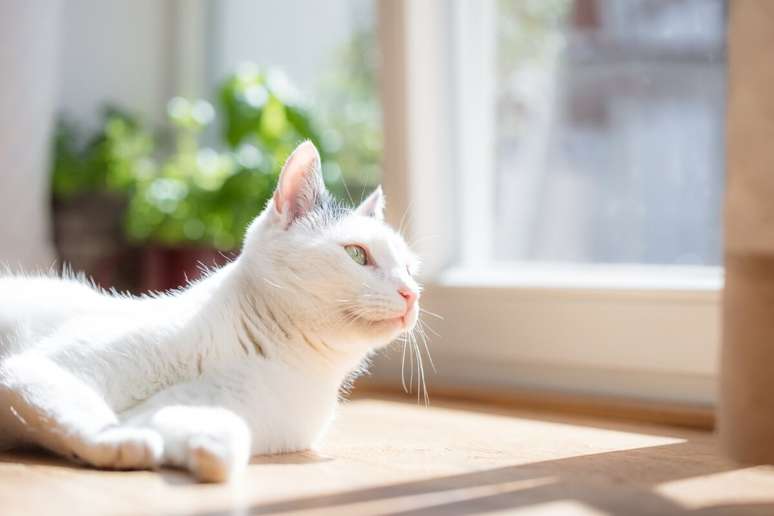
[286, 409]
[287, 406]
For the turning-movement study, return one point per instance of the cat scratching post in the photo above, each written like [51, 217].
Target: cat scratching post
[746, 409]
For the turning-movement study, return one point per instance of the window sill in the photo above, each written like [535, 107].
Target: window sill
[635, 332]
[547, 276]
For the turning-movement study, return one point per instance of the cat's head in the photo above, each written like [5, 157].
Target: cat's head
[340, 273]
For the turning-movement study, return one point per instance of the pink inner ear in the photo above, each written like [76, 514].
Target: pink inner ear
[373, 205]
[297, 181]
[291, 181]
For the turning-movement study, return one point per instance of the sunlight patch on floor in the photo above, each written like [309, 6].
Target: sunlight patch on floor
[753, 485]
[478, 437]
[558, 508]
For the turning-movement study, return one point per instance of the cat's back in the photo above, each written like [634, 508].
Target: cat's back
[37, 304]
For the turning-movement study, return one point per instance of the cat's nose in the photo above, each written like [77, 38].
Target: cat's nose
[409, 296]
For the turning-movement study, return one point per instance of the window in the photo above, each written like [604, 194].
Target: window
[608, 138]
[578, 148]
[603, 130]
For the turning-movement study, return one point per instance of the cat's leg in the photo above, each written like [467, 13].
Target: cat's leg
[199, 434]
[44, 404]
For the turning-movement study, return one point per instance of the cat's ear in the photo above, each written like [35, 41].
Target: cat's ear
[373, 205]
[300, 186]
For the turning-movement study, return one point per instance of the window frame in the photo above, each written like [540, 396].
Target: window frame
[646, 332]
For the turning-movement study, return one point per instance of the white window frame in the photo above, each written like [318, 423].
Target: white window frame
[646, 332]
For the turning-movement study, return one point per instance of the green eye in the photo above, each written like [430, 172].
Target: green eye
[357, 253]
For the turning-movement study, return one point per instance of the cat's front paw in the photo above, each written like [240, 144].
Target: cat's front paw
[122, 448]
[216, 456]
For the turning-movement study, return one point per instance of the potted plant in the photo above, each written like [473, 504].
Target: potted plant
[193, 209]
[177, 206]
[91, 179]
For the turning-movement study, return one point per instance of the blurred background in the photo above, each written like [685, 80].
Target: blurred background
[160, 127]
[156, 129]
[517, 138]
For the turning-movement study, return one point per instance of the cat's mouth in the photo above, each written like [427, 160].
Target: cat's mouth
[404, 322]
[399, 321]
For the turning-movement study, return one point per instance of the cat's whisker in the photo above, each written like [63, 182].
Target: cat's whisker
[420, 363]
[403, 217]
[432, 314]
[421, 381]
[426, 325]
[350, 317]
[346, 189]
[419, 366]
[412, 359]
[425, 394]
[403, 368]
[423, 336]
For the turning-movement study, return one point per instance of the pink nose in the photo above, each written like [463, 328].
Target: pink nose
[409, 295]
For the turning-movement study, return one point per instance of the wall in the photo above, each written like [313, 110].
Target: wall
[69, 58]
[297, 35]
[27, 101]
[117, 51]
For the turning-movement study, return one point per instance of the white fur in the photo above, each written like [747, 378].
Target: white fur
[249, 360]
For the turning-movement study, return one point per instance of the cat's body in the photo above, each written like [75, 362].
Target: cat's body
[249, 360]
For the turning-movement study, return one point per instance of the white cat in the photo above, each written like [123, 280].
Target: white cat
[247, 361]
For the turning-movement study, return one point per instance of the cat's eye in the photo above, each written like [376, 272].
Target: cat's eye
[357, 253]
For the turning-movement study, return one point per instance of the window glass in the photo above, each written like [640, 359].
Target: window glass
[609, 131]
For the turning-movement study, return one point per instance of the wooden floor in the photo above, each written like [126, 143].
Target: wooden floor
[394, 457]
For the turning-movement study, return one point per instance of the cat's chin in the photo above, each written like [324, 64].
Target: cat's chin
[379, 333]
[401, 323]
[395, 326]
[385, 328]
[390, 329]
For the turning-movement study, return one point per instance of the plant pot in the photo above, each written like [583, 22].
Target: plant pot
[165, 268]
[89, 238]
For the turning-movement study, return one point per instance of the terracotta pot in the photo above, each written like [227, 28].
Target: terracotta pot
[165, 268]
[88, 237]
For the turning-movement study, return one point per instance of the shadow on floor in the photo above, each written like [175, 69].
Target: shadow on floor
[617, 483]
